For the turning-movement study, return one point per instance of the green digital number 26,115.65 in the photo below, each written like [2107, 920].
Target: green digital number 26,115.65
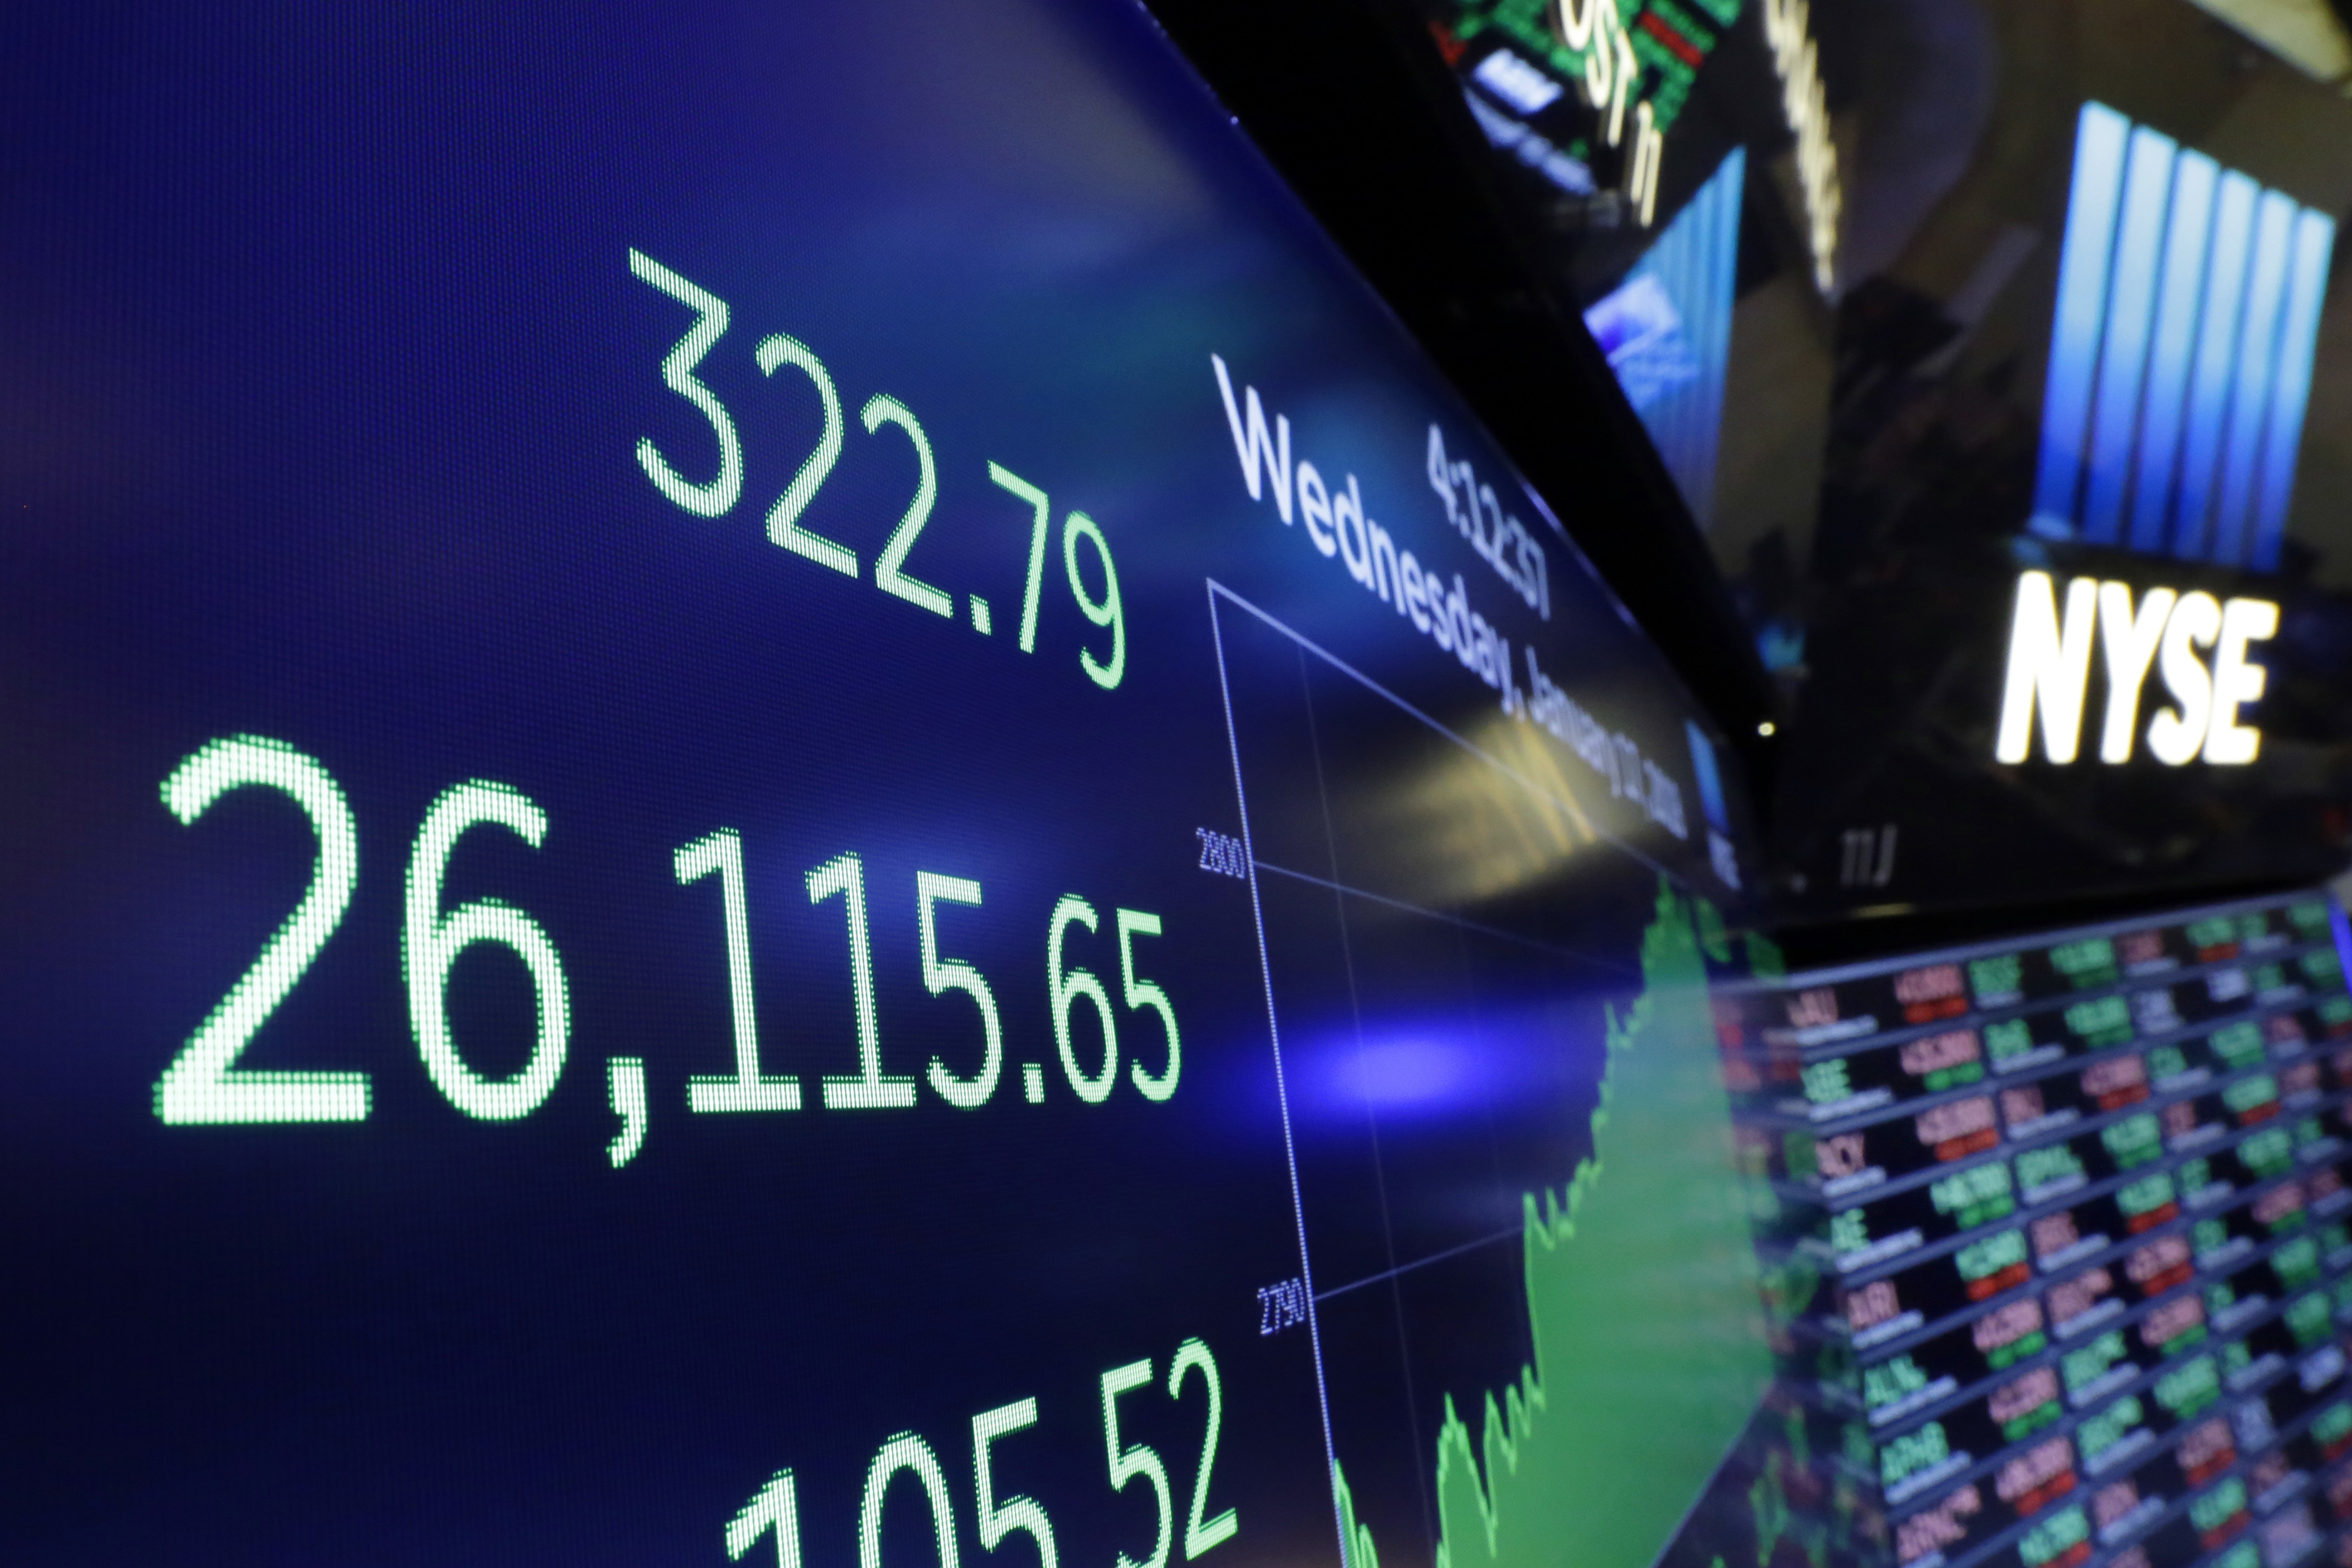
[205, 1085]
[754, 1086]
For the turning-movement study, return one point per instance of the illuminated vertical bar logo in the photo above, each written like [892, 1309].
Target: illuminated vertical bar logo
[2181, 359]
[1666, 331]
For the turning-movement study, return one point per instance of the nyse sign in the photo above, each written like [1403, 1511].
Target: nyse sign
[2197, 645]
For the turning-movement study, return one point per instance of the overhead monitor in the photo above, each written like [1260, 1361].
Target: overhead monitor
[777, 789]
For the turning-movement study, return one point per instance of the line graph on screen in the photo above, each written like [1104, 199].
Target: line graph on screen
[1536, 1295]
[1618, 1419]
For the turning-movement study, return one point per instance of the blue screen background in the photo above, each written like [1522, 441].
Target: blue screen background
[324, 373]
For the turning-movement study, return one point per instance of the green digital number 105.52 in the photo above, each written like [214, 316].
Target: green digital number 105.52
[776, 1507]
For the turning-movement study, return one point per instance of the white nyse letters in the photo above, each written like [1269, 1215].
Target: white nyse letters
[2050, 667]
[2129, 643]
[2177, 737]
[2236, 681]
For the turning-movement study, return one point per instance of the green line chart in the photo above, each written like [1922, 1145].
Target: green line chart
[1648, 1355]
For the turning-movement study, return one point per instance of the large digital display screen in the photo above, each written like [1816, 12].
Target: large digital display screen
[2064, 1248]
[776, 788]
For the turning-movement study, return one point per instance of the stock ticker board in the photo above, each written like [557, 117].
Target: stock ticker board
[2064, 1260]
[776, 788]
